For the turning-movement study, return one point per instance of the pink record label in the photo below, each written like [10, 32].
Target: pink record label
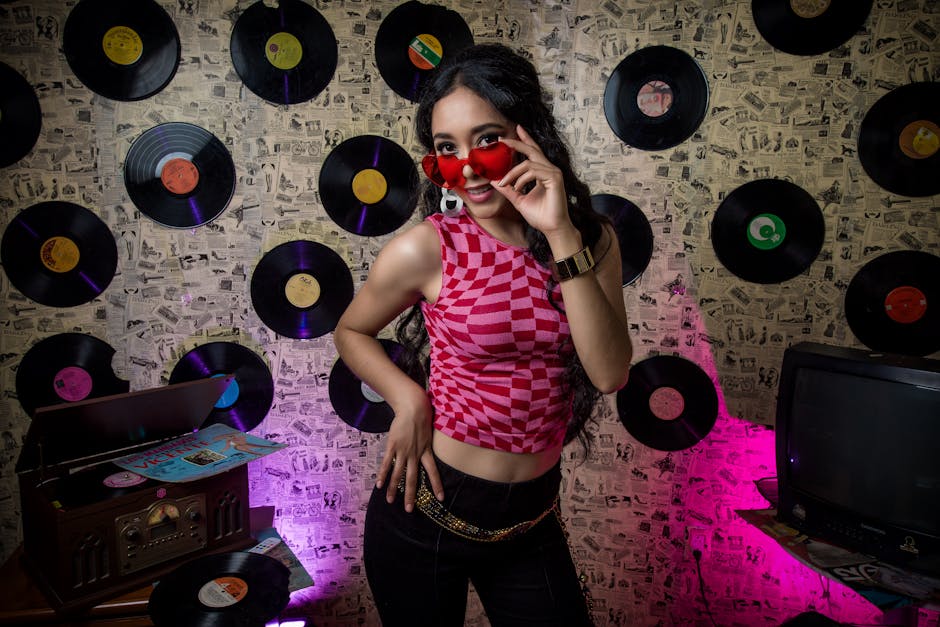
[124, 479]
[667, 403]
[72, 384]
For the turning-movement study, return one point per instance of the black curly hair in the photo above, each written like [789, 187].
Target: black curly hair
[511, 84]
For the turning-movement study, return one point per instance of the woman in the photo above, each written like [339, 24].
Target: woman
[516, 283]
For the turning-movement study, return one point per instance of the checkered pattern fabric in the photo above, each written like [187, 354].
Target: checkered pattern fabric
[497, 344]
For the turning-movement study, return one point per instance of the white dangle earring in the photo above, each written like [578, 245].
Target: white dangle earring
[451, 203]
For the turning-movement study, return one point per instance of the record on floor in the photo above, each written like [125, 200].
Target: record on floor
[247, 400]
[300, 289]
[235, 588]
[369, 185]
[179, 175]
[356, 403]
[809, 27]
[899, 140]
[413, 40]
[121, 50]
[58, 254]
[668, 404]
[656, 98]
[768, 231]
[892, 303]
[286, 54]
[634, 233]
[20, 116]
[66, 368]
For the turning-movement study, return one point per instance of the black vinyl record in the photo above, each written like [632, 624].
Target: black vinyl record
[301, 288]
[98, 484]
[893, 303]
[634, 233]
[899, 140]
[66, 368]
[656, 98]
[121, 50]
[357, 404]
[768, 231]
[248, 398]
[413, 40]
[179, 175]
[669, 403]
[223, 589]
[285, 54]
[59, 254]
[20, 116]
[808, 27]
[369, 185]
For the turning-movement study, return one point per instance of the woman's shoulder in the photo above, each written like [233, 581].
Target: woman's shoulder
[414, 250]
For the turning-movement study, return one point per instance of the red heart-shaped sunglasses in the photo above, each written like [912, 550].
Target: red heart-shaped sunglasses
[492, 162]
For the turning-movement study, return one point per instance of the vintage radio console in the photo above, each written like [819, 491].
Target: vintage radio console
[93, 530]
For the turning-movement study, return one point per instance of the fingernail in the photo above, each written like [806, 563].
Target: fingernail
[378, 484]
[409, 507]
[440, 496]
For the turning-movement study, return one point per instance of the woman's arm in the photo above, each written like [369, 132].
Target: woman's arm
[402, 273]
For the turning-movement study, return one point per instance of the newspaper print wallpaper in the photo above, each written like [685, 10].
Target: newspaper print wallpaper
[632, 510]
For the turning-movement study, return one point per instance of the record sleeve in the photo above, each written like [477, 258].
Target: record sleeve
[809, 27]
[286, 54]
[59, 254]
[20, 116]
[634, 233]
[121, 50]
[656, 98]
[369, 185]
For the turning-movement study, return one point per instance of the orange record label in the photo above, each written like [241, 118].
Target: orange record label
[425, 52]
[920, 139]
[654, 99]
[810, 8]
[180, 176]
[667, 403]
[59, 254]
[283, 51]
[122, 45]
[302, 290]
[906, 304]
[369, 186]
[223, 592]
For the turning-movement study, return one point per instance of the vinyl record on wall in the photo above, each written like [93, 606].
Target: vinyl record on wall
[66, 368]
[668, 404]
[413, 40]
[899, 140]
[768, 231]
[248, 398]
[179, 175]
[656, 98]
[20, 116]
[892, 303]
[235, 588]
[121, 50]
[809, 27]
[301, 288]
[634, 233]
[286, 53]
[369, 185]
[59, 254]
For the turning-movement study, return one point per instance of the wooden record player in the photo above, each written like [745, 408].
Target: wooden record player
[92, 530]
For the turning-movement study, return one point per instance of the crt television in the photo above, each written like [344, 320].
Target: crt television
[858, 451]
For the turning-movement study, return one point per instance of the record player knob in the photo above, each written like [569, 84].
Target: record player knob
[132, 534]
[194, 515]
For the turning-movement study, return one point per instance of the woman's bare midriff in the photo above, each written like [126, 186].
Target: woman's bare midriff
[491, 464]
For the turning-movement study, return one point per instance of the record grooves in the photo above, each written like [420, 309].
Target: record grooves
[285, 54]
[807, 28]
[301, 288]
[248, 398]
[634, 233]
[20, 116]
[59, 254]
[369, 185]
[179, 175]
[121, 50]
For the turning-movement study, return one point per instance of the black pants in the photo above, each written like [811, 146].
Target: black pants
[419, 572]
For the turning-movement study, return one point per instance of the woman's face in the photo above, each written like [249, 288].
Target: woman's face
[461, 121]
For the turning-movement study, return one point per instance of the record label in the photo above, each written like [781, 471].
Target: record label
[667, 403]
[124, 479]
[179, 176]
[284, 51]
[906, 304]
[59, 254]
[369, 186]
[302, 290]
[426, 52]
[654, 99]
[766, 231]
[920, 139]
[369, 394]
[122, 45]
[808, 9]
[72, 384]
[223, 592]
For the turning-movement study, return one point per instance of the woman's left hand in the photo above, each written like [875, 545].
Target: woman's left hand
[545, 206]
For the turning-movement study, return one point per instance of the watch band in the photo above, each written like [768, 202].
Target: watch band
[572, 266]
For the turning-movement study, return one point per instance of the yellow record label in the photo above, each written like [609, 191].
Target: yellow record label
[425, 52]
[810, 8]
[122, 45]
[369, 186]
[59, 254]
[920, 139]
[302, 290]
[283, 51]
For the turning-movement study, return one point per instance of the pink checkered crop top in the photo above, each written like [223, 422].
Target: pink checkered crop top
[497, 344]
